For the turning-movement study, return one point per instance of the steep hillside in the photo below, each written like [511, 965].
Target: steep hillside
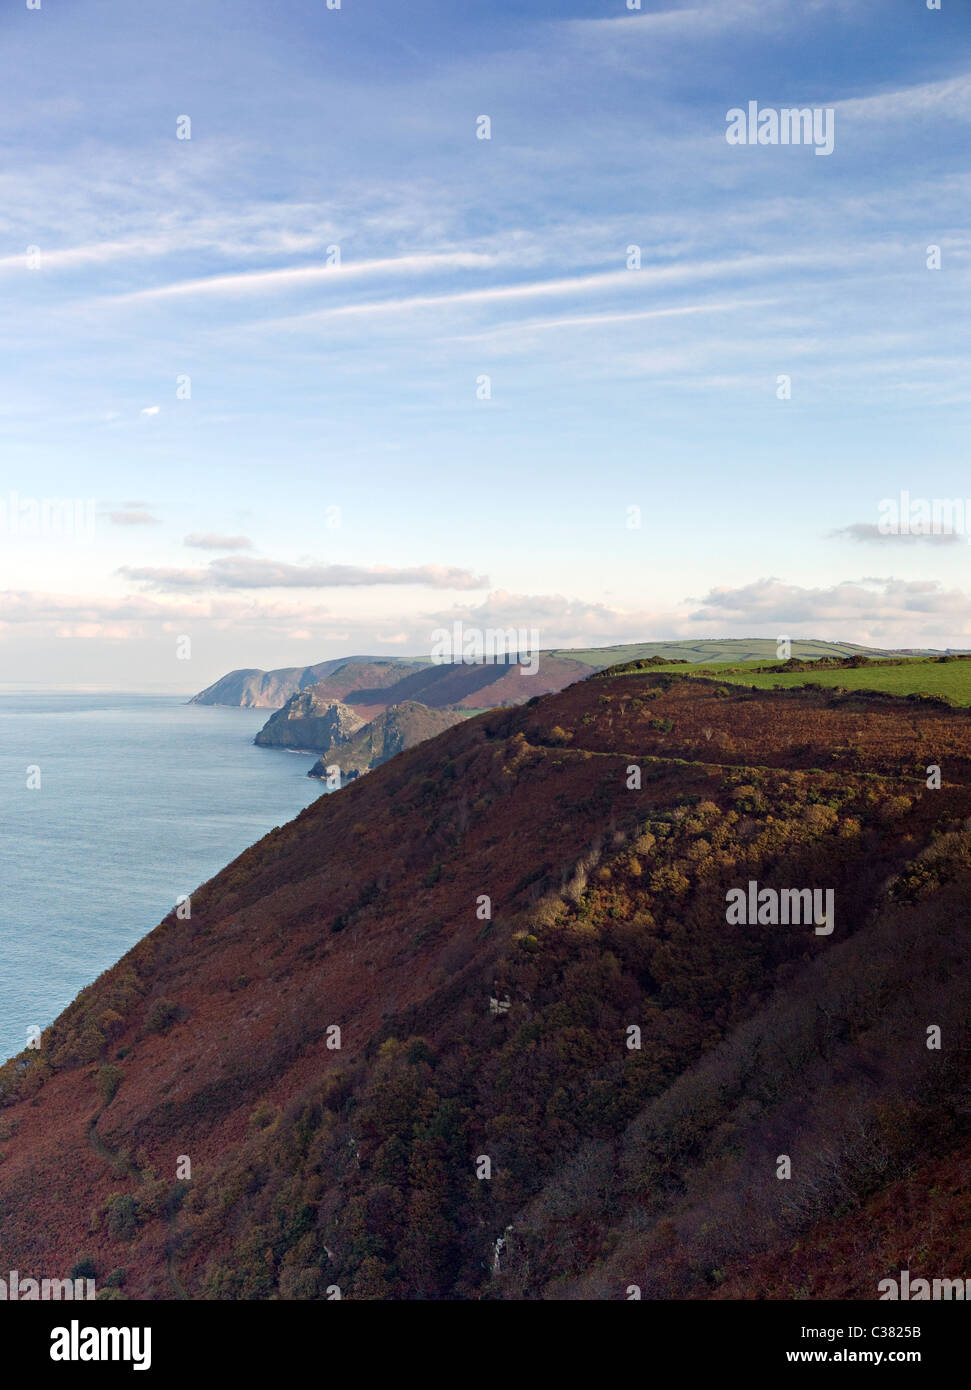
[488, 919]
[484, 685]
[399, 727]
[310, 721]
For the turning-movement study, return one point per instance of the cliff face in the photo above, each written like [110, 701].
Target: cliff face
[399, 727]
[254, 689]
[491, 991]
[309, 721]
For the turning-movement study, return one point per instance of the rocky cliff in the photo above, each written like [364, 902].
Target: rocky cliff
[310, 721]
[399, 727]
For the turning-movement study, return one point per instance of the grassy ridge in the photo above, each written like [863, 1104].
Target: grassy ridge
[916, 676]
[758, 649]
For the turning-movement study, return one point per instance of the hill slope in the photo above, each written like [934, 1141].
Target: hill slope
[367, 676]
[486, 918]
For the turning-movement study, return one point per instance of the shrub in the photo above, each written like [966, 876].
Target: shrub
[108, 1080]
[111, 1023]
[161, 1016]
[263, 1117]
[121, 1213]
[669, 880]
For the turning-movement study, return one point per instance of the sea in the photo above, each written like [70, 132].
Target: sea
[111, 807]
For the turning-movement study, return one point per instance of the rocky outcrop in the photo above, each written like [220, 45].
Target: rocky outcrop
[399, 727]
[311, 722]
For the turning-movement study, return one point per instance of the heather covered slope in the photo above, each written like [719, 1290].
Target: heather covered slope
[476, 685]
[465, 1036]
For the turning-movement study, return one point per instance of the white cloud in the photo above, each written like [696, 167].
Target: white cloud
[902, 606]
[132, 515]
[524, 327]
[682, 22]
[649, 276]
[210, 541]
[870, 531]
[298, 277]
[239, 572]
[951, 97]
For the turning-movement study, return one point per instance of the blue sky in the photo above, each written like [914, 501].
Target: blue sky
[317, 387]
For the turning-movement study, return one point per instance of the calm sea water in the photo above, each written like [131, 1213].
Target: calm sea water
[142, 797]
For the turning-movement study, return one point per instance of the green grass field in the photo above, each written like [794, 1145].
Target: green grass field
[734, 649]
[913, 677]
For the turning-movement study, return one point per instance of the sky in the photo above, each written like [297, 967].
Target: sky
[298, 364]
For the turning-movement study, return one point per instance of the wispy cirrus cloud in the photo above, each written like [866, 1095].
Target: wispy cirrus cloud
[524, 327]
[651, 275]
[299, 277]
[457, 253]
[679, 22]
[950, 98]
